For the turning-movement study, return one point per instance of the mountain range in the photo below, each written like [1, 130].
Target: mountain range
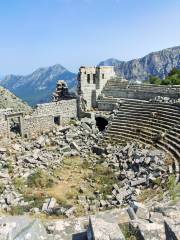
[38, 86]
[155, 64]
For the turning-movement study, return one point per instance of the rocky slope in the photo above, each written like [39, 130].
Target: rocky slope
[38, 86]
[9, 100]
[156, 63]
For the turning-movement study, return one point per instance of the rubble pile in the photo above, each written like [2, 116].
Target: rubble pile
[162, 99]
[136, 167]
[138, 221]
[139, 168]
[24, 156]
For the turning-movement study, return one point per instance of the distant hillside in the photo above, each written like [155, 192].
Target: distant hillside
[38, 86]
[9, 100]
[156, 64]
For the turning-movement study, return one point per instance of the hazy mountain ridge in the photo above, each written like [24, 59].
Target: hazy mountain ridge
[38, 86]
[156, 63]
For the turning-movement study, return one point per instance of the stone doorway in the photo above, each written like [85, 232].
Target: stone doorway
[15, 123]
[57, 120]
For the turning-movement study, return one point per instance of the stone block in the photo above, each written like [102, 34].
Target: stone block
[140, 210]
[99, 229]
[22, 228]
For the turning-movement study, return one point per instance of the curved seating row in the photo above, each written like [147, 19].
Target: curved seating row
[151, 123]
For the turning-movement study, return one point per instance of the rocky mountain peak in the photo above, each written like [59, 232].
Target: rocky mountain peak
[156, 63]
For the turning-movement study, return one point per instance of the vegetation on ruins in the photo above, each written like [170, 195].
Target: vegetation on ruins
[173, 187]
[173, 78]
[40, 179]
[128, 232]
[2, 187]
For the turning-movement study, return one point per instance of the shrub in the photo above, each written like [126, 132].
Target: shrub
[72, 122]
[154, 80]
[2, 187]
[10, 167]
[105, 178]
[174, 189]
[71, 194]
[40, 179]
[37, 198]
[129, 232]
[19, 210]
[19, 183]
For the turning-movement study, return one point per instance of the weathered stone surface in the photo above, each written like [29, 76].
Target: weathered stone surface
[102, 230]
[140, 210]
[19, 228]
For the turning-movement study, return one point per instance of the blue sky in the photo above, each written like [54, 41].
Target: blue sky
[38, 33]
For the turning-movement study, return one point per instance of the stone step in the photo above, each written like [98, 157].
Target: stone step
[151, 128]
[144, 123]
[149, 108]
[163, 115]
[147, 122]
[166, 120]
[175, 150]
[114, 135]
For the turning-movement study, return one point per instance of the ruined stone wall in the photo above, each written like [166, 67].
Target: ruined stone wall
[43, 118]
[3, 127]
[4, 130]
[106, 105]
[87, 84]
[36, 125]
[66, 109]
[103, 74]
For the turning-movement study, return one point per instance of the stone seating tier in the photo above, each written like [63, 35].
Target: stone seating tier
[151, 123]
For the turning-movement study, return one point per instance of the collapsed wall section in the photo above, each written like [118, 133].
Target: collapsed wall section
[3, 127]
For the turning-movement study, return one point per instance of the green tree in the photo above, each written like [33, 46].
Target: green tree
[174, 71]
[154, 80]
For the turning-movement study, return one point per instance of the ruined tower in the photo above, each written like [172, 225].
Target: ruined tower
[91, 81]
[61, 92]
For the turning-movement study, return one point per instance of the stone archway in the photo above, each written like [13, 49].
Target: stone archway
[101, 123]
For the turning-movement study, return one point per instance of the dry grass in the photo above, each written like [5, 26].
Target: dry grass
[149, 193]
[168, 160]
[75, 174]
[72, 175]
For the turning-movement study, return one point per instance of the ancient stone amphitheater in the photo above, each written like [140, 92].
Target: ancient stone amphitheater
[125, 113]
[151, 123]
[145, 113]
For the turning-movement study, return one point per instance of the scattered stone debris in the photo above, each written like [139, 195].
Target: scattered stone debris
[135, 167]
[25, 156]
[161, 222]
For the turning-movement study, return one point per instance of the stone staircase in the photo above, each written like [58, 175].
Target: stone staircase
[157, 124]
